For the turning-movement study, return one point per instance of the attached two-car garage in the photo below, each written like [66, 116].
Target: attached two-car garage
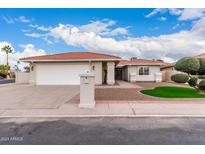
[60, 73]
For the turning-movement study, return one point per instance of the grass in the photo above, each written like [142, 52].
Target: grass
[173, 92]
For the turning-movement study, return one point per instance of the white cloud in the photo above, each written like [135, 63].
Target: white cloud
[191, 14]
[155, 11]
[169, 46]
[172, 11]
[23, 19]
[175, 11]
[162, 18]
[97, 26]
[176, 26]
[28, 50]
[41, 28]
[116, 31]
[34, 35]
[184, 14]
[33, 25]
[45, 36]
[8, 20]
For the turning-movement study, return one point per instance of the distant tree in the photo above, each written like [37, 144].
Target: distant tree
[7, 49]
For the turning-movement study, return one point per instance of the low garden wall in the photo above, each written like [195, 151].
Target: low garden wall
[22, 77]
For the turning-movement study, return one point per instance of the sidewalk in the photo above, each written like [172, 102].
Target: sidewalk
[117, 109]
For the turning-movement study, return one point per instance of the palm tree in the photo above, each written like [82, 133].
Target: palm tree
[7, 49]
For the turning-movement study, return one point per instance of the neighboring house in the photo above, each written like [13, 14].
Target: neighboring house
[139, 70]
[65, 68]
[168, 70]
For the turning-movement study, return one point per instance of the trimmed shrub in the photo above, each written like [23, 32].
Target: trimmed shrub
[3, 75]
[202, 66]
[180, 78]
[188, 65]
[202, 85]
[193, 81]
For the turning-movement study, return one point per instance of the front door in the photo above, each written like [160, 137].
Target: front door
[118, 73]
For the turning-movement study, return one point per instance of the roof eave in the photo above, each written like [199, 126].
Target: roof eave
[73, 60]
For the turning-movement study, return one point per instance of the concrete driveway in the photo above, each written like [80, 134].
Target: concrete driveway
[35, 97]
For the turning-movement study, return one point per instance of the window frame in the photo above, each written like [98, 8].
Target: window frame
[143, 70]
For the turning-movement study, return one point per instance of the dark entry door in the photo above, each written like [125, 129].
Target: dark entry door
[118, 74]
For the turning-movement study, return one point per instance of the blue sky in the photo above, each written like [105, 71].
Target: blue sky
[146, 33]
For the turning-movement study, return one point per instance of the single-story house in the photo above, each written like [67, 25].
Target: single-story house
[65, 68]
[168, 69]
[136, 70]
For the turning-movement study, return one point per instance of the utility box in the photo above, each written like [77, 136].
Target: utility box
[87, 90]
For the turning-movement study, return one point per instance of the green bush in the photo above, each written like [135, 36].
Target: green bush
[193, 81]
[4, 69]
[180, 78]
[202, 85]
[188, 65]
[202, 66]
[3, 75]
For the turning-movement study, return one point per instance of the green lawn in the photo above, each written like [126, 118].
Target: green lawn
[173, 92]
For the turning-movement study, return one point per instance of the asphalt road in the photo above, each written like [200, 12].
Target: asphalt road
[5, 81]
[109, 131]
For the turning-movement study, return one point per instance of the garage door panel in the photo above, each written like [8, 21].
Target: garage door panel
[60, 74]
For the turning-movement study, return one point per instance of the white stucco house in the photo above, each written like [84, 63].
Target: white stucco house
[65, 68]
[139, 70]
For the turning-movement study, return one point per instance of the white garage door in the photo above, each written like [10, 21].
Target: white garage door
[60, 73]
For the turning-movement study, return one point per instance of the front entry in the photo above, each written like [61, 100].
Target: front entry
[118, 73]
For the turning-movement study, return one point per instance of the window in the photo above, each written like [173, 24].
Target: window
[141, 71]
[144, 71]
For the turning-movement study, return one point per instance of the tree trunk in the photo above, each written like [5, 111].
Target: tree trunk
[7, 64]
[7, 59]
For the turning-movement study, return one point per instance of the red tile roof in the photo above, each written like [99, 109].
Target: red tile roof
[200, 56]
[168, 65]
[72, 56]
[140, 62]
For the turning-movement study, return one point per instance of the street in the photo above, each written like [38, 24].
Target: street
[6, 81]
[97, 131]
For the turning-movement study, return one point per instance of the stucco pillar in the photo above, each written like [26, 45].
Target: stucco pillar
[87, 91]
[32, 74]
[110, 73]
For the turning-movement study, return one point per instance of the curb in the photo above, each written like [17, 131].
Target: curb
[107, 116]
